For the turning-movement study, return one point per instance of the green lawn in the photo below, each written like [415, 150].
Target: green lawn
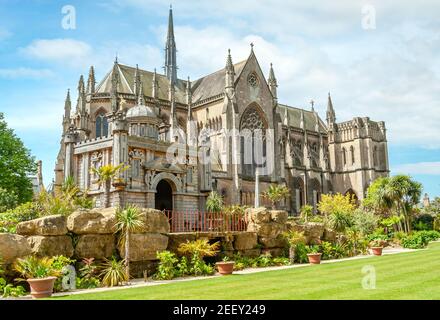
[412, 275]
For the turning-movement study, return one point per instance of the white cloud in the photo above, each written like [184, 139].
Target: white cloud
[431, 168]
[25, 73]
[67, 51]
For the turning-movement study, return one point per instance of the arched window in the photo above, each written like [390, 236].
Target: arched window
[253, 140]
[352, 154]
[344, 156]
[101, 125]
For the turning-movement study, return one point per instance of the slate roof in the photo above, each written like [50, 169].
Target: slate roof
[126, 83]
[294, 117]
[214, 83]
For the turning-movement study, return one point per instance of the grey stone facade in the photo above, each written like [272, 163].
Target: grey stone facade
[135, 117]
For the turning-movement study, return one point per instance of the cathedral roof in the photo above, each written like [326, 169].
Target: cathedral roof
[294, 118]
[126, 83]
[214, 83]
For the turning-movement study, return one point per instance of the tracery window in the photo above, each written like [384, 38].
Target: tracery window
[101, 125]
[344, 156]
[253, 140]
[253, 80]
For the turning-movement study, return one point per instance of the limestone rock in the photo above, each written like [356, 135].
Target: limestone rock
[274, 252]
[96, 221]
[258, 215]
[13, 246]
[154, 221]
[329, 235]
[96, 246]
[145, 246]
[278, 242]
[245, 241]
[46, 226]
[268, 230]
[279, 216]
[49, 246]
[313, 232]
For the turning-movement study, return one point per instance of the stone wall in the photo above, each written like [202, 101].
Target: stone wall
[91, 233]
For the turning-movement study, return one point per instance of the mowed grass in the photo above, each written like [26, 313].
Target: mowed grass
[411, 275]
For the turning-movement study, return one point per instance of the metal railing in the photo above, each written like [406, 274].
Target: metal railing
[198, 221]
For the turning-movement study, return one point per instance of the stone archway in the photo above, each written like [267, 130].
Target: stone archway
[163, 199]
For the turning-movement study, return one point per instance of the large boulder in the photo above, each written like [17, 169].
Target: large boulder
[258, 215]
[46, 226]
[96, 246]
[329, 235]
[278, 242]
[154, 221]
[96, 221]
[13, 246]
[252, 253]
[274, 252]
[314, 232]
[245, 241]
[176, 239]
[49, 246]
[279, 216]
[145, 246]
[268, 230]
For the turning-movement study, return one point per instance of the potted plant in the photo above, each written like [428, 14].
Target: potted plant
[119, 184]
[226, 266]
[376, 246]
[314, 255]
[39, 273]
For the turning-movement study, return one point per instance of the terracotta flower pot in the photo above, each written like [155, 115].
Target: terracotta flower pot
[41, 288]
[314, 258]
[226, 267]
[377, 251]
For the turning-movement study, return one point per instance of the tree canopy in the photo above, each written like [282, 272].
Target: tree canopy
[16, 164]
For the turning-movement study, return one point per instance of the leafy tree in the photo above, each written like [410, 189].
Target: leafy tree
[275, 193]
[105, 175]
[337, 203]
[16, 164]
[128, 220]
[8, 200]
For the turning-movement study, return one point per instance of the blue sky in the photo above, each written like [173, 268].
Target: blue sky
[390, 72]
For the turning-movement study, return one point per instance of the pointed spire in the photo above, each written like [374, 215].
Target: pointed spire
[331, 116]
[140, 97]
[170, 51]
[114, 87]
[312, 103]
[67, 107]
[272, 81]
[137, 81]
[155, 85]
[91, 81]
[188, 92]
[230, 72]
[81, 103]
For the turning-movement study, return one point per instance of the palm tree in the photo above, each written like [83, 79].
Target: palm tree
[105, 174]
[128, 220]
[214, 202]
[276, 193]
[294, 238]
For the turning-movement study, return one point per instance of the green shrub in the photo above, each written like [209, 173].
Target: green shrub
[87, 283]
[414, 241]
[423, 222]
[364, 221]
[301, 253]
[167, 265]
[25, 212]
[429, 235]
[113, 272]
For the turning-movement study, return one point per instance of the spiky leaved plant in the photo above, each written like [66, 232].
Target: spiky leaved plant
[105, 174]
[128, 220]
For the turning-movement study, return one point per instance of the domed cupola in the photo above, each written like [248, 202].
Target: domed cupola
[142, 119]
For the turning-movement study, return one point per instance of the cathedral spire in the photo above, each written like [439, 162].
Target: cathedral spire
[188, 93]
[331, 116]
[81, 105]
[154, 85]
[91, 81]
[67, 110]
[170, 51]
[137, 81]
[140, 96]
[272, 81]
[114, 88]
[230, 72]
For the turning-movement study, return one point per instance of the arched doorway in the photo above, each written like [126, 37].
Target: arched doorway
[164, 196]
